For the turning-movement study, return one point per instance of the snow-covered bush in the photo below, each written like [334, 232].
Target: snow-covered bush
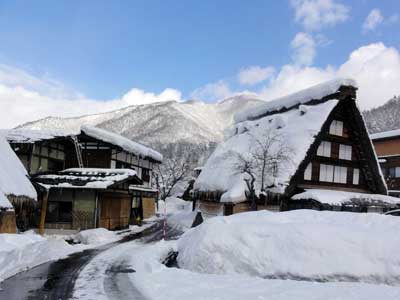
[95, 236]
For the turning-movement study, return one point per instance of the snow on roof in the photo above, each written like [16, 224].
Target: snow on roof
[32, 136]
[122, 142]
[88, 178]
[315, 92]
[298, 128]
[4, 203]
[385, 134]
[13, 176]
[340, 197]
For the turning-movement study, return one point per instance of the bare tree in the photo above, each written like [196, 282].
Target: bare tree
[268, 152]
[178, 163]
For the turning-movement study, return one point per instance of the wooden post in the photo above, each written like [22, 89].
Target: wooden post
[43, 212]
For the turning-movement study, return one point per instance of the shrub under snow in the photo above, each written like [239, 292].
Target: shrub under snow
[302, 244]
[96, 236]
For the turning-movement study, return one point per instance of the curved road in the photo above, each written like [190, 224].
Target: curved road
[56, 280]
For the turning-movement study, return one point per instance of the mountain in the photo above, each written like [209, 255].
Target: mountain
[186, 125]
[385, 117]
[175, 128]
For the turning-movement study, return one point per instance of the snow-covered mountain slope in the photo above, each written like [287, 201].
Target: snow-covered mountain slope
[162, 123]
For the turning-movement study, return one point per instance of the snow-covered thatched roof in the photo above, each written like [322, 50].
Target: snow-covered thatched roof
[32, 136]
[385, 134]
[13, 176]
[86, 178]
[287, 102]
[298, 127]
[331, 197]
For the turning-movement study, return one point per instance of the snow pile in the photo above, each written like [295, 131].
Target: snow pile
[123, 142]
[302, 244]
[296, 129]
[97, 236]
[316, 92]
[339, 197]
[179, 212]
[22, 251]
[153, 280]
[13, 176]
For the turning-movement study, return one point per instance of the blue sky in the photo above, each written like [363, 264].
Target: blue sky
[100, 50]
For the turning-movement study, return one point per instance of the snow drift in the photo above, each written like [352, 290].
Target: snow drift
[19, 252]
[303, 244]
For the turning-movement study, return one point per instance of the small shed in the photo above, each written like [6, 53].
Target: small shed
[78, 199]
[15, 188]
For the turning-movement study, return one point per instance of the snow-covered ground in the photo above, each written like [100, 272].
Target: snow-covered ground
[241, 249]
[19, 252]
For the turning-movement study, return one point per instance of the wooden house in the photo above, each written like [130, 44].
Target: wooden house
[84, 198]
[330, 164]
[45, 152]
[15, 189]
[387, 147]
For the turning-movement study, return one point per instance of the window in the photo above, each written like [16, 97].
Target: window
[336, 128]
[324, 149]
[146, 175]
[345, 152]
[394, 172]
[340, 174]
[308, 172]
[326, 173]
[356, 176]
[337, 174]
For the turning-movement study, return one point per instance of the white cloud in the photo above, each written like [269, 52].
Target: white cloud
[373, 19]
[212, 91]
[375, 67]
[24, 98]
[254, 74]
[303, 46]
[137, 96]
[317, 14]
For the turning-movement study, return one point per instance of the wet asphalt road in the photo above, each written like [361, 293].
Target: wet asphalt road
[56, 280]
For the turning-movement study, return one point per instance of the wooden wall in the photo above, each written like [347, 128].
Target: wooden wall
[387, 147]
[149, 207]
[114, 210]
[7, 222]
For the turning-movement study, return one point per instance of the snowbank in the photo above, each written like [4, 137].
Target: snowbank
[301, 244]
[22, 251]
[155, 281]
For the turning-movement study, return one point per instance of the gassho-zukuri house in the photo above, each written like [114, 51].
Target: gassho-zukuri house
[330, 162]
[89, 178]
[15, 187]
